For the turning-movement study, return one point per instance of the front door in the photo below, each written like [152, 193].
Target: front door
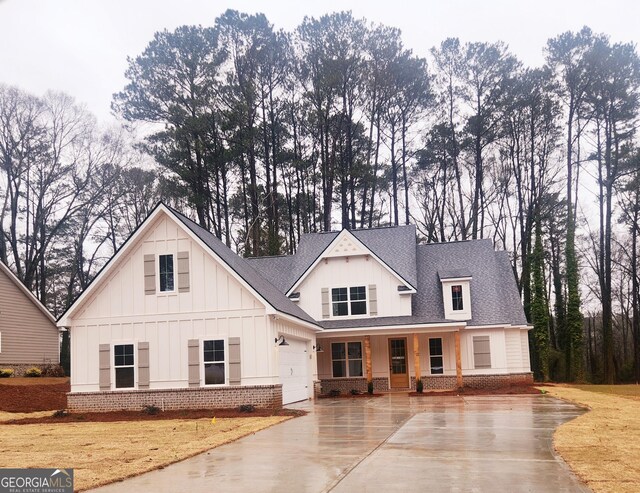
[398, 374]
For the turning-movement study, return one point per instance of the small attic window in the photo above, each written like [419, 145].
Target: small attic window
[456, 297]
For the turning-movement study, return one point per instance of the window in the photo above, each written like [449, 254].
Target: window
[214, 362]
[124, 366]
[481, 352]
[435, 356]
[456, 297]
[346, 356]
[166, 273]
[349, 301]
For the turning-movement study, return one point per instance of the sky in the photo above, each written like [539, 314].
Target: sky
[81, 46]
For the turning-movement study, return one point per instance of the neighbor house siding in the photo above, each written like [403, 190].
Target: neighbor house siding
[28, 336]
[335, 272]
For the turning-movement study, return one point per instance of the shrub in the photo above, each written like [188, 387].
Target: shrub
[247, 408]
[52, 371]
[33, 372]
[6, 373]
[151, 410]
[419, 386]
[370, 388]
[355, 392]
[334, 392]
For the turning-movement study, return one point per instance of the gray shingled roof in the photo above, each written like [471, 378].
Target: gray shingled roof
[494, 293]
[395, 246]
[240, 266]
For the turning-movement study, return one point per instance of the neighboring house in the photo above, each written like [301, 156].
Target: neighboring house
[177, 320]
[28, 332]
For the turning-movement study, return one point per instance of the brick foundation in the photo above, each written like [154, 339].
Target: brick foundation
[346, 385]
[260, 396]
[430, 382]
[317, 388]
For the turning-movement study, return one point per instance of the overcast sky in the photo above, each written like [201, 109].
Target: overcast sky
[80, 46]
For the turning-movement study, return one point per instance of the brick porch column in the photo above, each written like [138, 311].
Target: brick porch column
[416, 358]
[367, 358]
[458, 360]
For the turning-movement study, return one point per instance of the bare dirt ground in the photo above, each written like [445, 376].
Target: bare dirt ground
[602, 446]
[20, 395]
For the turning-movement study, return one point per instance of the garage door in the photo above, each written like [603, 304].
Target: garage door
[294, 364]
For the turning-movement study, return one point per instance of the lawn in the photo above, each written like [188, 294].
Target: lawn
[101, 450]
[602, 446]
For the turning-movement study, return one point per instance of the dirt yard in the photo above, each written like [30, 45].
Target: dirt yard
[602, 446]
[33, 394]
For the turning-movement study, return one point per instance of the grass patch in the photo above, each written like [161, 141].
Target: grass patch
[602, 446]
[102, 453]
[629, 391]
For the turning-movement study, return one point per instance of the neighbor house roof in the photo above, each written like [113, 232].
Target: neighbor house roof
[13, 278]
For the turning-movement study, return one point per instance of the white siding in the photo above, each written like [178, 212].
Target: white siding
[514, 349]
[338, 272]
[217, 305]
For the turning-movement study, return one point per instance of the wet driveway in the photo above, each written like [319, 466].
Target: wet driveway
[387, 444]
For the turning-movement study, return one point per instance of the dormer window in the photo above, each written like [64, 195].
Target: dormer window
[349, 301]
[456, 297]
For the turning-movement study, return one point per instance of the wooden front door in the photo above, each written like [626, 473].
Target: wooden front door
[398, 372]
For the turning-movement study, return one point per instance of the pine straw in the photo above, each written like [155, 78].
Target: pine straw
[602, 446]
[102, 453]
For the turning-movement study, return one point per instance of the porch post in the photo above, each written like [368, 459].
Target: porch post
[367, 356]
[458, 360]
[416, 358]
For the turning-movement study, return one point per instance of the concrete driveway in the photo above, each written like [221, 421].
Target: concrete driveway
[389, 443]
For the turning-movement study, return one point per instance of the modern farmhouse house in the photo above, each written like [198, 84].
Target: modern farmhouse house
[28, 333]
[177, 320]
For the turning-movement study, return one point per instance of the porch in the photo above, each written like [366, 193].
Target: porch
[445, 358]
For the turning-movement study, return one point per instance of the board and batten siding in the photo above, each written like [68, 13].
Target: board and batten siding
[216, 306]
[336, 272]
[27, 335]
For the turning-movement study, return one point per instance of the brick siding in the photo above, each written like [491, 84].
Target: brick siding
[346, 385]
[260, 396]
[430, 382]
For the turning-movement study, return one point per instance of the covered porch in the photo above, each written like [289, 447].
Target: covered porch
[391, 360]
[443, 357]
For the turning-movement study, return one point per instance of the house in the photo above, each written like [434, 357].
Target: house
[29, 336]
[177, 320]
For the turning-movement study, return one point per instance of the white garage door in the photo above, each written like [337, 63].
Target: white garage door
[294, 364]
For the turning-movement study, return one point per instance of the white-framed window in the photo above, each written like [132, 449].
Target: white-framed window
[481, 352]
[214, 361]
[349, 301]
[457, 303]
[346, 359]
[436, 361]
[124, 366]
[166, 270]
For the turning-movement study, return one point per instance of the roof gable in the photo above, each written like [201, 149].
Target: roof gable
[268, 294]
[28, 294]
[350, 243]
